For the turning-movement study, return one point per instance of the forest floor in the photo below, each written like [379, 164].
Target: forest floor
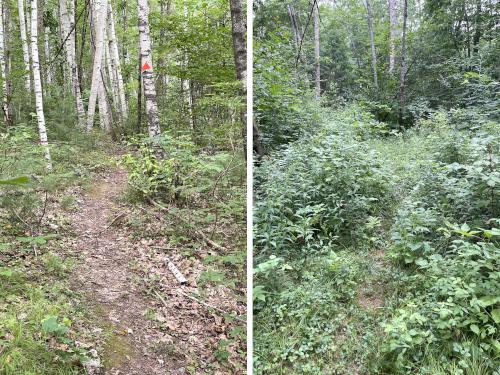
[163, 332]
[109, 302]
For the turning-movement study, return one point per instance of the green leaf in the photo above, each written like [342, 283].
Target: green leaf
[496, 315]
[474, 328]
[7, 272]
[15, 181]
[50, 325]
[496, 345]
[489, 300]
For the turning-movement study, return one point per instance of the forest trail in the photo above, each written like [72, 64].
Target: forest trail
[105, 278]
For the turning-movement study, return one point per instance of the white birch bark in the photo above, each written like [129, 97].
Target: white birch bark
[147, 69]
[187, 83]
[24, 42]
[48, 72]
[75, 80]
[317, 50]
[38, 83]
[100, 11]
[115, 62]
[67, 26]
[3, 69]
[111, 75]
[104, 110]
[402, 73]
[369, 18]
[392, 34]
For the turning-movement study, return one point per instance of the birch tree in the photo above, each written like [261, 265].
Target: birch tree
[369, 18]
[48, 70]
[100, 12]
[38, 83]
[392, 34]
[240, 59]
[188, 89]
[3, 69]
[24, 42]
[68, 26]
[147, 69]
[317, 76]
[116, 65]
[402, 73]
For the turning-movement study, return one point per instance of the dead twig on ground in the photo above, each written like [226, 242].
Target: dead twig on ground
[179, 217]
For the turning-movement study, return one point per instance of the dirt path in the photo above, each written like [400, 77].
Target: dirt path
[104, 276]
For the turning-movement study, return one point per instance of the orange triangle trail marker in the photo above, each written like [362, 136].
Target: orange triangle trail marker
[146, 66]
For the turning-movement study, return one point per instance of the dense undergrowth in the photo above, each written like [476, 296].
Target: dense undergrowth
[378, 252]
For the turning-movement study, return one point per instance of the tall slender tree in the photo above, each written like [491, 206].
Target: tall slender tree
[24, 42]
[3, 68]
[116, 64]
[317, 49]
[38, 83]
[402, 73]
[369, 19]
[393, 20]
[187, 85]
[48, 70]
[68, 30]
[95, 88]
[147, 69]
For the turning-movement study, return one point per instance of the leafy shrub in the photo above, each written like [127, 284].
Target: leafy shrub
[457, 303]
[171, 168]
[316, 190]
[284, 109]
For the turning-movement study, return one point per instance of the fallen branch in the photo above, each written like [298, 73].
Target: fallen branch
[178, 275]
[199, 233]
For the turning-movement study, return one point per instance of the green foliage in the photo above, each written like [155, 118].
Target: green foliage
[35, 331]
[173, 169]
[454, 308]
[432, 305]
[284, 109]
[316, 190]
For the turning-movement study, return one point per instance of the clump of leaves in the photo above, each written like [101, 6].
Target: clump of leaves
[172, 169]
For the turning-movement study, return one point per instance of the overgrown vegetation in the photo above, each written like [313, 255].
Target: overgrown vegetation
[377, 242]
[368, 263]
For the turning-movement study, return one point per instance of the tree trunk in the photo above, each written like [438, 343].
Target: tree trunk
[240, 62]
[8, 57]
[24, 42]
[80, 109]
[115, 62]
[402, 75]
[393, 20]
[186, 83]
[3, 68]
[48, 70]
[317, 50]
[295, 27]
[239, 40]
[67, 25]
[38, 83]
[478, 29]
[101, 9]
[369, 18]
[147, 69]
[139, 95]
